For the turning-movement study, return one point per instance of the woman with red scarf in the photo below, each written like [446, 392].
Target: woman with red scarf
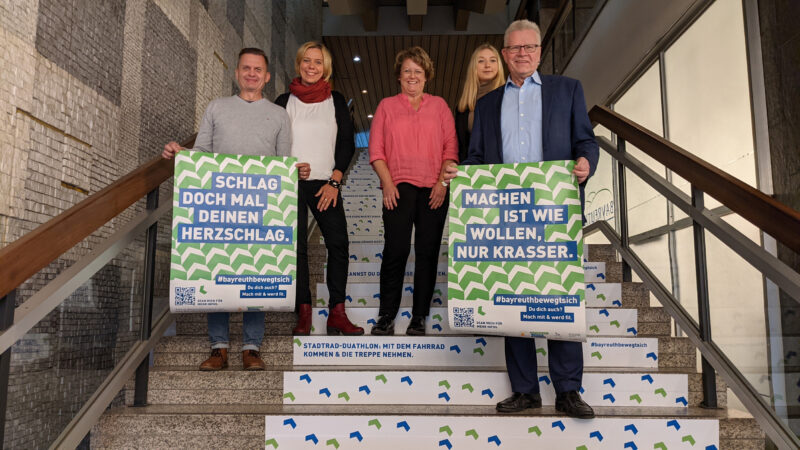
[323, 142]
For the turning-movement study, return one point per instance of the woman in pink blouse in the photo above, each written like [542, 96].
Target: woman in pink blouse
[412, 139]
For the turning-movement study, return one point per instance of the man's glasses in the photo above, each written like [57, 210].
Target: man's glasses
[529, 48]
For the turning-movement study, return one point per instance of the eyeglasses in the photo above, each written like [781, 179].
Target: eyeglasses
[529, 48]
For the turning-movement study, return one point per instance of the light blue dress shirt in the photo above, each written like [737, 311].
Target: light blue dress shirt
[521, 121]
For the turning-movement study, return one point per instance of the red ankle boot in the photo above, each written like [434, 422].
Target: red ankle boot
[338, 323]
[303, 327]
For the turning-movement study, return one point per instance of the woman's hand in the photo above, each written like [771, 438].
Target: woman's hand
[390, 196]
[327, 195]
[438, 191]
[303, 170]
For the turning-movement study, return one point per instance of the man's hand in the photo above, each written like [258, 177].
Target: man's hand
[171, 149]
[303, 170]
[581, 169]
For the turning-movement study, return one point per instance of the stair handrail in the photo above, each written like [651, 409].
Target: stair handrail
[32, 252]
[774, 218]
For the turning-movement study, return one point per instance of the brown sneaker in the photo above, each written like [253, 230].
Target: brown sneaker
[217, 361]
[251, 360]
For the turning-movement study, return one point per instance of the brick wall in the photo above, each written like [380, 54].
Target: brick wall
[90, 90]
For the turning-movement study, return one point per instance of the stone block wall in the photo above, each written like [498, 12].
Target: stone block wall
[90, 90]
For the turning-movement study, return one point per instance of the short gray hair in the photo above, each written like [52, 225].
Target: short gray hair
[521, 25]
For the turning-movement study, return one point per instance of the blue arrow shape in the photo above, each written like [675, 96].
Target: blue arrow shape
[357, 435]
[647, 378]
[609, 397]
[406, 314]
[445, 443]
[494, 439]
[582, 391]
[436, 326]
[305, 377]
[596, 434]
[312, 437]
[348, 298]
[290, 422]
[610, 381]
[603, 312]
[652, 355]
[409, 289]
[364, 389]
[325, 391]
[544, 378]
[353, 257]
[631, 445]
[711, 447]
[674, 423]
[632, 330]
[379, 255]
[558, 424]
[632, 428]
[682, 400]
[376, 296]
[481, 341]
[454, 348]
[601, 275]
[616, 303]
[323, 312]
[444, 396]
[487, 392]
[406, 379]
[403, 424]
[590, 286]
[371, 321]
[438, 301]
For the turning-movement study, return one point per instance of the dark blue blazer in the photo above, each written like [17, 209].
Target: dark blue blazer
[566, 130]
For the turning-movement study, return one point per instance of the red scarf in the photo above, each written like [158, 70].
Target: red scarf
[315, 93]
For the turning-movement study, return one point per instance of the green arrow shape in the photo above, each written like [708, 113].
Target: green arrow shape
[332, 442]
[375, 422]
[444, 383]
[297, 342]
[321, 301]
[601, 297]
[661, 391]
[688, 438]
[597, 355]
[478, 350]
[203, 290]
[446, 429]
[472, 433]
[480, 311]
[636, 397]
[467, 387]
[535, 430]
[345, 396]
[615, 323]
[581, 447]
[381, 377]
[595, 328]
[271, 442]
[365, 259]
[660, 445]
[437, 317]
[289, 395]
[363, 301]
[542, 351]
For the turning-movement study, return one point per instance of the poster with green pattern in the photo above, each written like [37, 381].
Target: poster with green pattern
[234, 222]
[516, 251]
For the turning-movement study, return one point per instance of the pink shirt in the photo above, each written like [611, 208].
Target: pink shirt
[413, 143]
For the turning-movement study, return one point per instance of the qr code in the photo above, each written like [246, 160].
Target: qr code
[463, 317]
[184, 296]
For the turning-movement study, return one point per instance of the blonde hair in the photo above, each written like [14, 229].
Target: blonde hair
[419, 56]
[469, 94]
[327, 65]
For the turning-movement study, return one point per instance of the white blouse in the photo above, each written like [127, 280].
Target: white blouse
[313, 135]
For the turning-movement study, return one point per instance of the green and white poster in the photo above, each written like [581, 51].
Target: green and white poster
[516, 250]
[234, 237]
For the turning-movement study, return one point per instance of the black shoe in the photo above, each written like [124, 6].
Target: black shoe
[518, 402]
[384, 327]
[416, 327]
[571, 404]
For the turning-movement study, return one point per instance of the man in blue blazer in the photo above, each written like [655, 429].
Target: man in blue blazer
[536, 118]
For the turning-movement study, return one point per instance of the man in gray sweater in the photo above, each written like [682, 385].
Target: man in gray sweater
[244, 124]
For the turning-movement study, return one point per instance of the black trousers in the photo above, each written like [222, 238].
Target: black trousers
[412, 210]
[333, 224]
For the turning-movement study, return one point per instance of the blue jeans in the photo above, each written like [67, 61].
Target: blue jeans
[252, 330]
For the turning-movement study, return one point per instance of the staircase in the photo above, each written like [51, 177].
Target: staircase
[437, 391]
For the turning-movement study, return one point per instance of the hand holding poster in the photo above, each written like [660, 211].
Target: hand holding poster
[233, 238]
[516, 251]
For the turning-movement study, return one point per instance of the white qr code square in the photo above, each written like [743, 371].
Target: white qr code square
[184, 296]
[463, 317]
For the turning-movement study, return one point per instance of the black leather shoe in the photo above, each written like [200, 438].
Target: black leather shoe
[571, 404]
[416, 327]
[519, 401]
[384, 327]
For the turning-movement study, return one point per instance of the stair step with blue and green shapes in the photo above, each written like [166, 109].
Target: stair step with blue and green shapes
[368, 295]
